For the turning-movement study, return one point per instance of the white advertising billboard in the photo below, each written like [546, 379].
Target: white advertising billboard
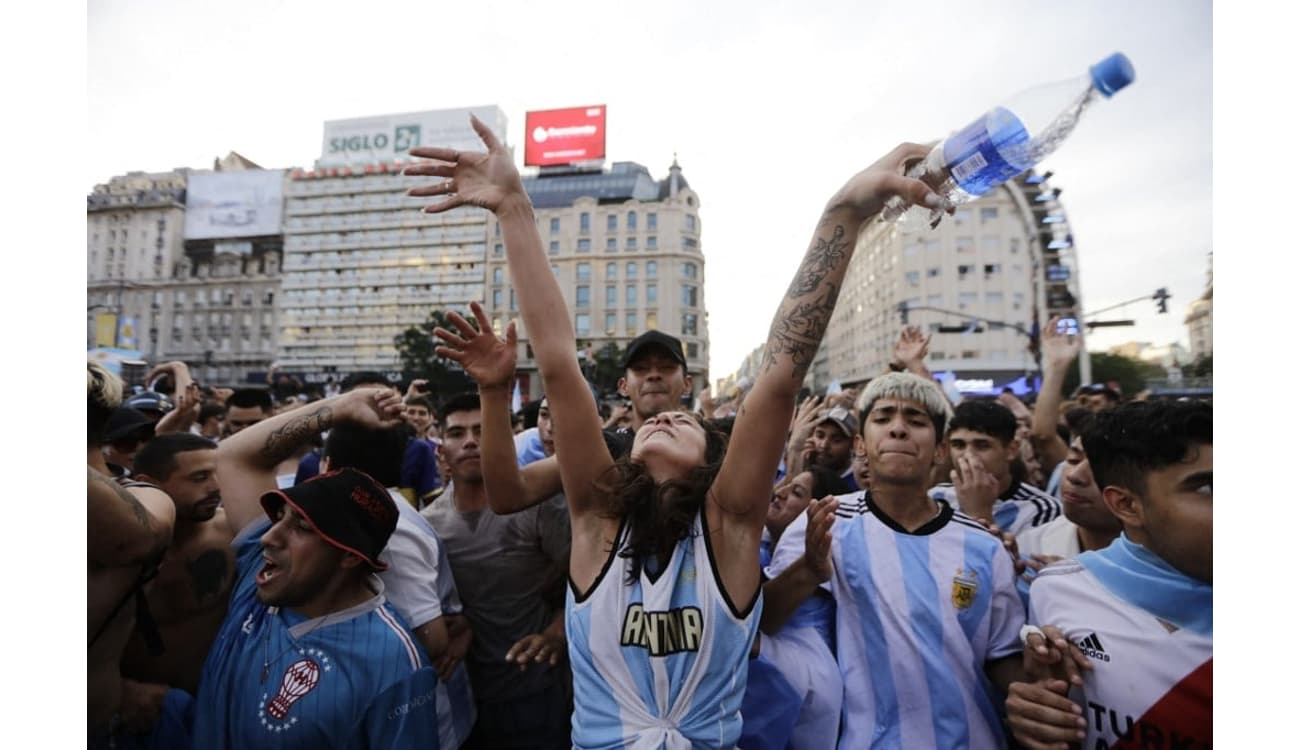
[388, 138]
[234, 204]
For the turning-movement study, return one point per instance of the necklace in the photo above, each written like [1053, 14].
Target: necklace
[266, 640]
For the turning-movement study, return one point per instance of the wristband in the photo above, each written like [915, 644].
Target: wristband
[1028, 630]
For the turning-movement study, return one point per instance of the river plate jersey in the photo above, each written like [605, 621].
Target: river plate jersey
[350, 679]
[660, 663]
[1021, 507]
[919, 614]
[1150, 683]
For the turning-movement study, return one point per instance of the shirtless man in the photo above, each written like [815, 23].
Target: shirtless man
[132, 527]
[189, 597]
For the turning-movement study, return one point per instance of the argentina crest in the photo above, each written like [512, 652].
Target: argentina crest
[964, 587]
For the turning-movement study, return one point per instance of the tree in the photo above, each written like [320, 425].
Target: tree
[1131, 374]
[609, 368]
[416, 347]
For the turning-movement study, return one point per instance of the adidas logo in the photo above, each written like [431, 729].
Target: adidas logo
[1093, 648]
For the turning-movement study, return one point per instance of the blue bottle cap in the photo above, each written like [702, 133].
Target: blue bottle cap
[1112, 74]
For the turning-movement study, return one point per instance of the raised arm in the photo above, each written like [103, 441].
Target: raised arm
[246, 461]
[1059, 350]
[127, 526]
[490, 180]
[490, 361]
[744, 484]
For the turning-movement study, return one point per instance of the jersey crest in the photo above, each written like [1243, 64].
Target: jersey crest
[298, 680]
[964, 587]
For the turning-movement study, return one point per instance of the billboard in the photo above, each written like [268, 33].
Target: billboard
[388, 138]
[564, 136]
[234, 204]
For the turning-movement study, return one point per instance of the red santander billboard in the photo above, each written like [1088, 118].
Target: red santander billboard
[564, 136]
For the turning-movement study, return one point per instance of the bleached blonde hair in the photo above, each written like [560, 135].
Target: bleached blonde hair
[103, 395]
[908, 387]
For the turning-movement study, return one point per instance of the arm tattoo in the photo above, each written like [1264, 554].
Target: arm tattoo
[281, 444]
[141, 513]
[797, 330]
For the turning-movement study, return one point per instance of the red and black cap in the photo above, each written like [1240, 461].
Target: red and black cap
[348, 508]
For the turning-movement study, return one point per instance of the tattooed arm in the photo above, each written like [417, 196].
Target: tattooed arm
[246, 461]
[127, 525]
[739, 496]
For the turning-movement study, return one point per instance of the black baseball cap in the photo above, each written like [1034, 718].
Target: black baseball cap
[126, 423]
[348, 508]
[150, 401]
[654, 338]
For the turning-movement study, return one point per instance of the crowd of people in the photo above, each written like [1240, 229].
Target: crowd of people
[873, 568]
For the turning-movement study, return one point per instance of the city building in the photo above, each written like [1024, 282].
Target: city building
[1166, 355]
[361, 262]
[1200, 322]
[979, 285]
[626, 251]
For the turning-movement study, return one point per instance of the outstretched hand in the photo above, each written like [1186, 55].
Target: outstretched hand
[911, 347]
[867, 191]
[487, 358]
[1059, 349]
[487, 180]
[372, 408]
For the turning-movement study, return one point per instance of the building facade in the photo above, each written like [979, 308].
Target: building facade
[1200, 322]
[980, 285]
[134, 239]
[362, 263]
[626, 251]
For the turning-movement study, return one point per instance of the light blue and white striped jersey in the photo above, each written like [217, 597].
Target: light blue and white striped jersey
[1021, 507]
[350, 679]
[662, 662]
[919, 616]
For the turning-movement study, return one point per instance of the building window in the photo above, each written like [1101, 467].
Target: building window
[630, 298]
[962, 216]
[513, 304]
[962, 271]
[992, 245]
[555, 225]
[651, 222]
[992, 268]
[611, 270]
[555, 270]
[584, 272]
[652, 319]
[689, 270]
[555, 247]
[1017, 300]
[611, 295]
[913, 278]
[689, 243]
[970, 354]
[688, 324]
[611, 244]
[938, 355]
[631, 221]
[965, 245]
[611, 223]
[584, 223]
[966, 299]
[988, 214]
[631, 324]
[692, 350]
[651, 294]
[611, 323]
[652, 269]
[584, 245]
[582, 324]
[498, 275]
[631, 243]
[993, 298]
[934, 300]
[690, 296]
[631, 269]
[690, 222]
[1013, 245]
[652, 242]
[496, 298]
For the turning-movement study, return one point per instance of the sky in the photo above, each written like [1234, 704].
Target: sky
[768, 106]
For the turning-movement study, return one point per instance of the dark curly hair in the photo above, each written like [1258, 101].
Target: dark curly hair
[659, 515]
[1127, 442]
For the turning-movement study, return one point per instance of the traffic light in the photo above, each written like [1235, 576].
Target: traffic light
[1162, 299]
[902, 312]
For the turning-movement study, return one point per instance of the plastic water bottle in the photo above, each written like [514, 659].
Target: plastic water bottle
[1008, 139]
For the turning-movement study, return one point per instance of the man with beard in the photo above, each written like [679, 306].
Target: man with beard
[189, 596]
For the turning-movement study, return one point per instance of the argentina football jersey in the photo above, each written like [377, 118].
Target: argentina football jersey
[1021, 507]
